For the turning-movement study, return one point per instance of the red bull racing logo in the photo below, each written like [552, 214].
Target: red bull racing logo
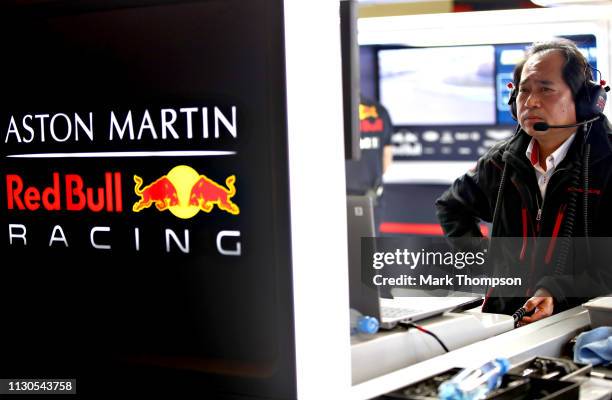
[366, 112]
[369, 120]
[184, 193]
[161, 193]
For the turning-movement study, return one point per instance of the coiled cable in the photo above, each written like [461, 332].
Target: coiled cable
[518, 315]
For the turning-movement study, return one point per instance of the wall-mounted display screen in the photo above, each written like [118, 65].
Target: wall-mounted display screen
[438, 85]
[451, 103]
[454, 86]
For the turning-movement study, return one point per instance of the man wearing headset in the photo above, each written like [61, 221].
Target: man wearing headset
[541, 171]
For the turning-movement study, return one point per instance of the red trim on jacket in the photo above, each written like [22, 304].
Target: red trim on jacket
[581, 190]
[524, 247]
[553, 240]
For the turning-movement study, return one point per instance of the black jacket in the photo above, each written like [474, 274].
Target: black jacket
[536, 243]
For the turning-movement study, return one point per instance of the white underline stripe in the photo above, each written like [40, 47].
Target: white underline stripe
[119, 154]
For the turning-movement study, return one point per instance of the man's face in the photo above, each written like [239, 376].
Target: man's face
[544, 96]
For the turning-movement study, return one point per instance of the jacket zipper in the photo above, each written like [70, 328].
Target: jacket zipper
[538, 219]
[537, 227]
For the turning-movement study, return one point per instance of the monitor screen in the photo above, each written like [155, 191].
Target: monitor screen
[451, 103]
[438, 85]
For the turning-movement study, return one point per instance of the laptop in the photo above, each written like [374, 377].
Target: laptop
[370, 300]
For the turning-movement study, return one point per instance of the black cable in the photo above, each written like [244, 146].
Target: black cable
[568, 226]
[420, 328]
[498, 201]
[502, 183]
[587, 152]
[518, 315]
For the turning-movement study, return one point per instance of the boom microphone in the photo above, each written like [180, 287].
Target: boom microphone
[543, 126]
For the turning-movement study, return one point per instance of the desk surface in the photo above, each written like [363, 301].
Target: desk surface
[544, 338]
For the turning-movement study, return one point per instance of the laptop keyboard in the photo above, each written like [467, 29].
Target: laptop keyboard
[395, 312]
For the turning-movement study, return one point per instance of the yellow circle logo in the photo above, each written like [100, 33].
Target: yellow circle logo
[183, 178]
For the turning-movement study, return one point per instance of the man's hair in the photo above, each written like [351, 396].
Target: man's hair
[576, 70]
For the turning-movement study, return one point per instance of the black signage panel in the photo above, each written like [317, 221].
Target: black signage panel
[144, 197]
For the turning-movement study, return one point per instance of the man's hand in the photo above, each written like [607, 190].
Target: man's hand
[542, 302]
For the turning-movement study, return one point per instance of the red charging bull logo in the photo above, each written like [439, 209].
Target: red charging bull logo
[161, 192]
[206, 193]
[184, 193]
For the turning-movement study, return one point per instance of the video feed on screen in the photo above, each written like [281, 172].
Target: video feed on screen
[438, 85]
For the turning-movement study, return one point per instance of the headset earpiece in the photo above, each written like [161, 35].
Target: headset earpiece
[591, 100]
[512, 100]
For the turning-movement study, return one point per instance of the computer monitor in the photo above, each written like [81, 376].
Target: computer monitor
[454, 86]
[361, 231]
[438, 85]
